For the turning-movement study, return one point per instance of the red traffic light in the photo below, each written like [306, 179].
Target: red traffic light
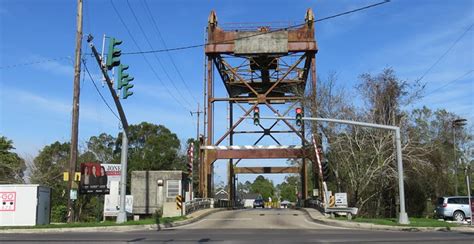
[256, 110]
[299, 110]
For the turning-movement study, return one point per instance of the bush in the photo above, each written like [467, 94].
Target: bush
[59, 213]
[157, 215]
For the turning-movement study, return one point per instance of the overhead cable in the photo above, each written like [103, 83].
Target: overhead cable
[261, 33]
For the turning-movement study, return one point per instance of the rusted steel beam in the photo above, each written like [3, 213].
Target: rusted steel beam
[266, 170]
[254, 154]
[254, 99]
[286, 122]
[228, 48]
[235, 125]
[237, 75]
[285, 75]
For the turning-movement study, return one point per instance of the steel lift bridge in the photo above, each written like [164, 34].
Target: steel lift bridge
[262, 67]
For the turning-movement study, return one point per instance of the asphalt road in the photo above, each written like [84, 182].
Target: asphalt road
[248, 226]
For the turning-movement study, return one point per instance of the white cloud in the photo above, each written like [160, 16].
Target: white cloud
[58, 68]
[63, 66]
[35, 102]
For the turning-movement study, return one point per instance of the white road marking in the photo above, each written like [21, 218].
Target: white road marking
[234, 219]
[326, 226]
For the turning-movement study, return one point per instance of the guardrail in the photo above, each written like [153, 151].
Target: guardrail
[224, 203]
[197, 204]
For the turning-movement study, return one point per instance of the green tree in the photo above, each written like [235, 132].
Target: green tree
[102, 147]
[48, 168]
[264, 187]
[289, 187]
[153, 147]
[12, 166]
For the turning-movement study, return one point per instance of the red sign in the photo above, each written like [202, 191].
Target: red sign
[93, 179]
[7, 201]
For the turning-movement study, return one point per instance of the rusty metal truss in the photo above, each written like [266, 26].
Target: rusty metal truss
[262, 67]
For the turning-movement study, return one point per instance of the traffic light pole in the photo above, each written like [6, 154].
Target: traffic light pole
[403, 217]
[75, 113]
[122, 215]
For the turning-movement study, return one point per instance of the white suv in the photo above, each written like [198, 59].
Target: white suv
[456, 207]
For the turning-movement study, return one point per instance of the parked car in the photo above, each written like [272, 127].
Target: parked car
[455, 207]
[258, 203]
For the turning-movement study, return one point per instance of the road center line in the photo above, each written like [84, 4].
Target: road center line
[326, 226]
[236, 219]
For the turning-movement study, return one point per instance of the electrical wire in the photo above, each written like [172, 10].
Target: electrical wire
[449, 83]
[144, 57]
[35, 62]
[445, 53]
[261, 33]
[200, 45]
[169, 55]
[98, 91]
[156, 56]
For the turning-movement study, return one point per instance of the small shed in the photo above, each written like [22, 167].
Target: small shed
[24, 205]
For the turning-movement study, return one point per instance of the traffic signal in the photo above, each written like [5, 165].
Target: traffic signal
[325, 169]
[113, 55]
[124, 80]
[299, 116]
[256, 116]
[190, 159]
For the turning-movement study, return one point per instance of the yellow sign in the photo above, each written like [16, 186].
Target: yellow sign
[77, 176]
[179, 202]
[332, 201]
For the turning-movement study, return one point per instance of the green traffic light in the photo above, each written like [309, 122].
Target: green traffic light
[299, 118]
[113, 54]
[125, 92]
[122, 76]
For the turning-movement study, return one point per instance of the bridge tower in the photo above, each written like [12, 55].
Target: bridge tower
[260, 66]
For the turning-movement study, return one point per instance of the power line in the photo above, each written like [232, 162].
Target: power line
[144, 57]
[169, 55]
[262, 33]
[35, 62]
[448, 83]
[444, 54]
[98, 91]
[156, 56]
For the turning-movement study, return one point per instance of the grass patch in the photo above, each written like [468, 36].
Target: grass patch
[148, 221]
[414, 222]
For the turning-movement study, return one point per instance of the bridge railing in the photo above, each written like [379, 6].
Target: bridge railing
[197, 204]
[224, 203]
[315, 203]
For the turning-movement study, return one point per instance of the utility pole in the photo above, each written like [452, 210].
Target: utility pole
[197, 121]
[75, 112]
[467, 172]
[456, 123]
[198, 112]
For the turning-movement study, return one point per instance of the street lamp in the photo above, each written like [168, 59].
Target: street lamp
[456, 123]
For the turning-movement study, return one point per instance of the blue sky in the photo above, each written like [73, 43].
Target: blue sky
[35, 100]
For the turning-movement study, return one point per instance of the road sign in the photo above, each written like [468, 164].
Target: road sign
[341, 199]
[73, 194]
[179, 202]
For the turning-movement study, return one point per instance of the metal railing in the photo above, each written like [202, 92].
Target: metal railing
[197, 204]
[224, 203]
